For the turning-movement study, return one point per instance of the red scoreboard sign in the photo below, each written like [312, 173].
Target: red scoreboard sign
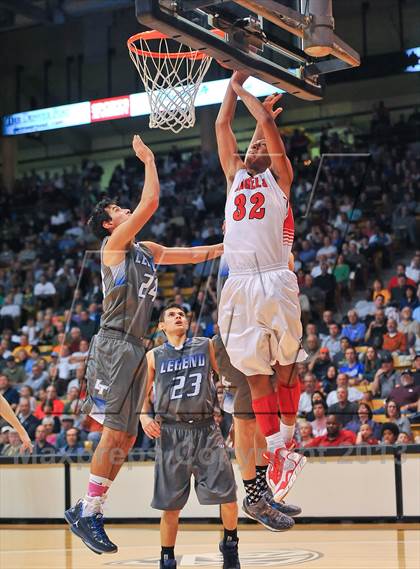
[108, 109]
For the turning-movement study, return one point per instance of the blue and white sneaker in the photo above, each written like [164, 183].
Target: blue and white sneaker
[90, 529]
[72, 514]
[263, 513]
[282, 507]
[167, 564]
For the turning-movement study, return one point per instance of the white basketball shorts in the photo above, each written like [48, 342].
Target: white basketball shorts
[259, 320]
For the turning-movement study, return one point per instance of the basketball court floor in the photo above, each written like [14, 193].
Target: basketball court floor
[315, 546]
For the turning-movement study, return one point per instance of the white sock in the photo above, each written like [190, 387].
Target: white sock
[93, 505]
[275, 441]
[287, 432]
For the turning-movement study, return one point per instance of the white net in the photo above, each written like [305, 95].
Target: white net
[171, 77]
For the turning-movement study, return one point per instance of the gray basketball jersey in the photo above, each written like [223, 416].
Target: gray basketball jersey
[184, 388]
[129, 290]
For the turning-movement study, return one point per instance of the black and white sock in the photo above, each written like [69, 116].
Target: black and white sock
[261, 479]
[252, 492]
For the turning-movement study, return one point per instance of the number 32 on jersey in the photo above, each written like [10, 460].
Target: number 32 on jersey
[257, 211]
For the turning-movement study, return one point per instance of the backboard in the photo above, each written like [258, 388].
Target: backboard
[288, 43]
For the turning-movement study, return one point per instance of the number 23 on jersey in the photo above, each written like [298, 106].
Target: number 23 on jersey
[257, 211]
[177, 391]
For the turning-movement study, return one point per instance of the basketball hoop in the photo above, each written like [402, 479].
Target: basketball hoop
[171, 76]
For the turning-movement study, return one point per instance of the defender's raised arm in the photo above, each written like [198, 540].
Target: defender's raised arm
[124, 233]
[183, 255]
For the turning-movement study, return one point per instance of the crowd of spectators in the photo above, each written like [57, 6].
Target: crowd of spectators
[50, 287]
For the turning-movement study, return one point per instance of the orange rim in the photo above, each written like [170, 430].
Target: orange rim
[155, 35]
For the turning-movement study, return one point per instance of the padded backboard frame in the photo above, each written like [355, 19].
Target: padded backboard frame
[164, 16]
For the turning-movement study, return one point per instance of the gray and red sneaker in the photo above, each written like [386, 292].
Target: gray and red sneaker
[284, 465]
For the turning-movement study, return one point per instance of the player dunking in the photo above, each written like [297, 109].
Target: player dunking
[259, 312]
[188, 441]
[116, 370]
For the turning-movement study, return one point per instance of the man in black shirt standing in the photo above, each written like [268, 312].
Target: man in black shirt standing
[326, 282]
[376, 329]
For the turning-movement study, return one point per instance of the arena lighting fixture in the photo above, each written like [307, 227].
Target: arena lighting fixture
[113, 108]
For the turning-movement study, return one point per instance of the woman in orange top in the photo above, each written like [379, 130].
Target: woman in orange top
[378, 288]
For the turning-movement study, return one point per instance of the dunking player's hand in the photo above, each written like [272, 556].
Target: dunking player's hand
[142, 151]
[269, 103]
[239, 77]
[150, 426]
[280, 165]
